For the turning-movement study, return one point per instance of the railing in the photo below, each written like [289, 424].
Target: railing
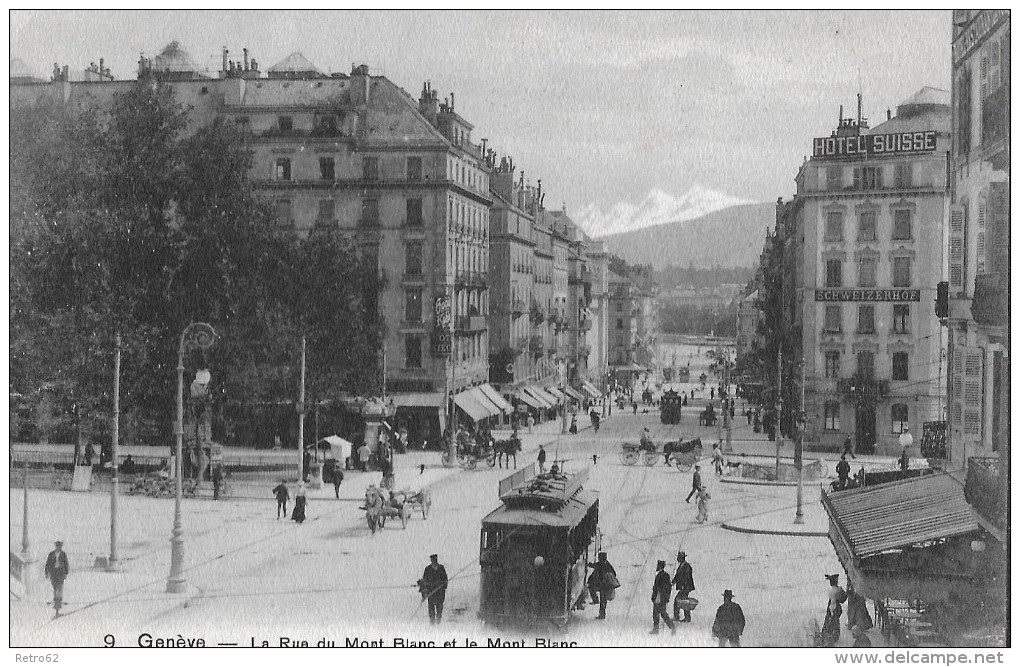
[985, 489]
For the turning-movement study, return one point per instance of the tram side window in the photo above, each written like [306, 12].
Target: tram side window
[490, 539]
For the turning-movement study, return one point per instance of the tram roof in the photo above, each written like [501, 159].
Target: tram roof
[565, 515]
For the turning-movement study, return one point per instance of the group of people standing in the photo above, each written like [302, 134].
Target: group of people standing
[729, 621]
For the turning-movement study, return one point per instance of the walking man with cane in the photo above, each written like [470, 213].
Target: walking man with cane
[57, 569]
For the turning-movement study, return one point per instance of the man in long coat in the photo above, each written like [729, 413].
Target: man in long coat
[695, 482]
[433, 586]
[683, 579]
[729, 621]
[57, 569]
[599, 583]
[661, 590]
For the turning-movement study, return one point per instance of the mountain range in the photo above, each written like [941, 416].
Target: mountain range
[702, 227]
[731, 237]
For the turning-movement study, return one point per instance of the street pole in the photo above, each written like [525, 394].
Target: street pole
[779, 408]
[799, 453]
[301, 417]
[112, 564]
[730, 397]
[26, 547]
[452, 422]
[200, 335]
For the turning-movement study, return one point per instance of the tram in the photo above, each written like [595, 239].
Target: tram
[536, 546]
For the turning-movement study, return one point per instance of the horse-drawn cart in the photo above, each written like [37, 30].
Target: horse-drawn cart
[381, 505]
[679, 453]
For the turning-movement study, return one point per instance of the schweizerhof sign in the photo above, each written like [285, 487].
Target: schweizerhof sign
[875, 145]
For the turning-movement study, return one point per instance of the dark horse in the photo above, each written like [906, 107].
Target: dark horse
[508, 448]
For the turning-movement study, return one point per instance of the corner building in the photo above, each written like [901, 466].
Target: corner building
[872, 204]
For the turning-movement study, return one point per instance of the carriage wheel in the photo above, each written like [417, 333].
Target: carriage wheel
[629, 457]
[683, 466]
[470, 464]
[650, 458]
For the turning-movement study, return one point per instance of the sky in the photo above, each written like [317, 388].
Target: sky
[607, 108]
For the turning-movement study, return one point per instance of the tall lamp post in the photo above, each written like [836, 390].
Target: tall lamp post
[198, 335]
[113, 563]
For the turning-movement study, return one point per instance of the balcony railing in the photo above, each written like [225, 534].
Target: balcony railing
[985, 489]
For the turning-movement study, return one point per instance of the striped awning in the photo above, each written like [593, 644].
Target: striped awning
[539, 398]
[878, 518]
[529, 399]
[473, 404]
[555, 393]
[544, 395]
[590, 388]
[494, 396]
[419, 400]
[573, 393]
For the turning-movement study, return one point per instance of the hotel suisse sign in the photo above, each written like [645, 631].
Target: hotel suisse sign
[867, 295]
[875, 145]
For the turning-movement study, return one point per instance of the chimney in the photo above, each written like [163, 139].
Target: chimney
[245, 51]
[860, 108]
[451, 101]
[840, 115]
[225, 61]
[888, 114]
[484, 142]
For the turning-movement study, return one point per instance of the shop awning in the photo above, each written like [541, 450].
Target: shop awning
[878, 518]
[529, 399]
[467, 402]
[544, 395]
[573, 393]
[485, 401]
[419, 400]
[555, 393]
[590, 388]
[538, 398]
[494, 396]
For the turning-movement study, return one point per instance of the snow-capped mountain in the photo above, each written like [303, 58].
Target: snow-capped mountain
[658, 208]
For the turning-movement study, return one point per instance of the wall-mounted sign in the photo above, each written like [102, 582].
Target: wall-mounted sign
[443, 313]
[875, 145]
[440, 343]
[867, 295]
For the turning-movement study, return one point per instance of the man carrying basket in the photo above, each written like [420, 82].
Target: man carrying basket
[684, 582]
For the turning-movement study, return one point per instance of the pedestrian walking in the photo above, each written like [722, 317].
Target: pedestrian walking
[683, 580]
[57, 569]
[90, 451]
[729, 621]
[306, 463]
[300, 502]
[703, 499]
[833, 611]
[602, 583]
[364, 454]
[541, 459]
[842, 472]
[717, 458]
[695, 482]
[282, 496]
[433, 585]
[338, 478]
[531, 424]
[661, 591]
[848, 447]
[573, 424]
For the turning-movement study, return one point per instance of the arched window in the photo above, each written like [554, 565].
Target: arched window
[899, 417]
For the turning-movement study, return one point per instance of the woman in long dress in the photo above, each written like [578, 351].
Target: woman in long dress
[300, 500]
[703, 498]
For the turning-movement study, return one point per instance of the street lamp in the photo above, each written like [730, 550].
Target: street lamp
[197, 335]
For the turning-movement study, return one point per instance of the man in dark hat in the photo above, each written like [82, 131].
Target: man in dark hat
[683, 579]
[600, 584]
[433, 585]
[729, 621]
[661, 591]
[695, 482]
[57, 569]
